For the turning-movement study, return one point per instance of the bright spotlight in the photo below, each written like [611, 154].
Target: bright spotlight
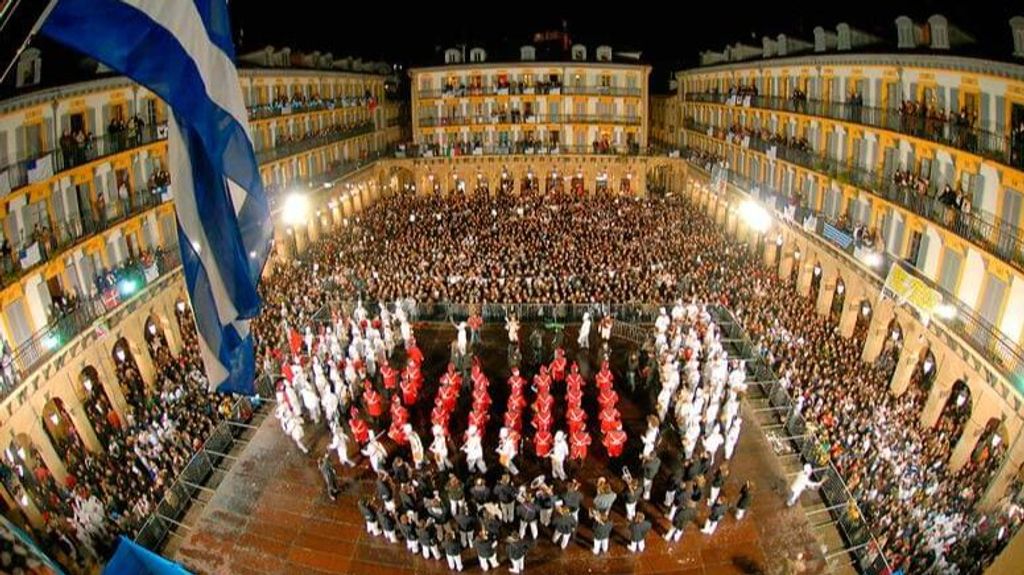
[873, 259]
[295, 210]
[755, 216]
[945, 311]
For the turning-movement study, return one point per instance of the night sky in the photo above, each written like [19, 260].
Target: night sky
[412, 36]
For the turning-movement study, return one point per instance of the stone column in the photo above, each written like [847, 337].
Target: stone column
[914, 344]
[76, 412]
[851, 309]
[878, 331]
[968, 439]
[940, 392]
[826, 290]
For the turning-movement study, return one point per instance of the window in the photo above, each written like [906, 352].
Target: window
[606, 81]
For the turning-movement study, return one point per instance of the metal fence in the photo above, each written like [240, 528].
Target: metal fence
[167, 514]
[856, 533]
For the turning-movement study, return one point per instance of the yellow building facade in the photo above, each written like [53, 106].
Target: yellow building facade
[530, 107]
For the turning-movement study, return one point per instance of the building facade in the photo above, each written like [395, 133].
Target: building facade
[576, 106]
[85, 197]
[923, 152]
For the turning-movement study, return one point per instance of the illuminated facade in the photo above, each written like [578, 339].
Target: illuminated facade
[530, 107]
[84, 190]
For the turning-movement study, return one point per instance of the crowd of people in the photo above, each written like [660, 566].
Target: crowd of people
[480, 249]
[328, 131]
[301, 103]
[112, 491]
[357, 375]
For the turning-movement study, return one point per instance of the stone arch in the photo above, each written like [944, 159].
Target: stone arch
[659, 179]
[553, 183]
[817, 273]
[955, 413]
[483, 183]
[794, 270]
[923, 377]
[601, 185]
[99, 410]
[838, 300]
[577, 184]
[863, 322]
[30, 472]
[507, 182]
[987, 454]
[128, 373]
[60, 428]
[156, 339]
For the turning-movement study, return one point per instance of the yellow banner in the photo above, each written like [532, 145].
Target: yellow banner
[912, 290]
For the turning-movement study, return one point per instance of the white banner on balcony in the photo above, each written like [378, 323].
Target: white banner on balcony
[151, 273]
[40, 169]
[30, 256]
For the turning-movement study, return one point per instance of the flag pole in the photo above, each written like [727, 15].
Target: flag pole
[32, 33]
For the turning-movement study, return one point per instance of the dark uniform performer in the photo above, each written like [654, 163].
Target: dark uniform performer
[330, 477]
[602, 532]
[638, 529]
[516, 549]
[485, 551]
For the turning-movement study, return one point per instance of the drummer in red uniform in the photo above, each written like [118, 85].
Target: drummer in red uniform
[542, 442]
[390, 377]
[413, 352]
[371, 400]
[576, 418]
[615, 440]
[575, 380]
[516, 381]
[558, 366]
[604, 377]
[608, 398]
[609, 416]
[579, 441]
[360, 431]
[410, 389]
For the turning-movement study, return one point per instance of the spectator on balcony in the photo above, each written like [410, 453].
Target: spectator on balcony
[81, 145]
[7, 254]
[1017, 145]
[101, 210]
[124, 196]
[67, 148]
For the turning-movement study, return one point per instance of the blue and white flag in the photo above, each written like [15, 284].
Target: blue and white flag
[181, 50]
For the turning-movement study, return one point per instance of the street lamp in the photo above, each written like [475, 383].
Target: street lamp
[295, 209]
[755, 216]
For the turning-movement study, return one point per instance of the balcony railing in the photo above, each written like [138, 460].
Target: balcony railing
[986, 339]
[520, 90]
[131, 279]
[996, 236]
[182, 490]
[290, 149]
[500, 119]
[996, 146]
[43, 166]
[264, 111]
[31, 252]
